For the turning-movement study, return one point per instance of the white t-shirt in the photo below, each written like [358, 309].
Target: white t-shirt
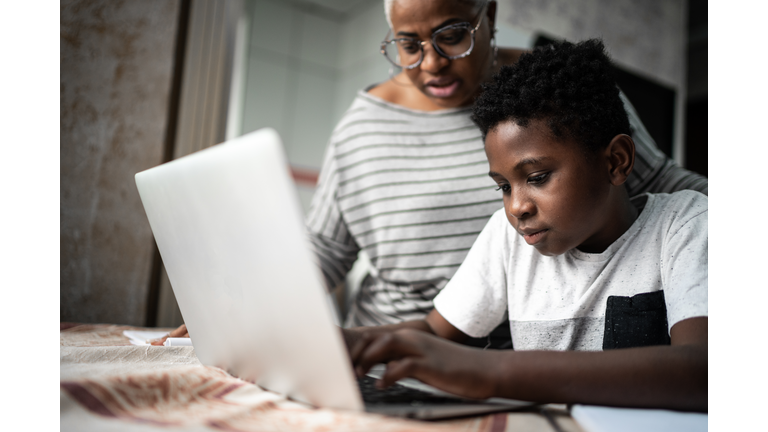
[558, 303]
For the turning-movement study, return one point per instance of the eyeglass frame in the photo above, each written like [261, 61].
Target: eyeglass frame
[421, 43]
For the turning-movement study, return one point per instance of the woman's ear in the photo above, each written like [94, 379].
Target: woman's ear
[621, 158]
[491, 12]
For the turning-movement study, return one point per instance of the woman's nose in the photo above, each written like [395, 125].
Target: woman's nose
[432, 62]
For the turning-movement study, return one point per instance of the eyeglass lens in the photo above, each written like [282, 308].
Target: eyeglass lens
[451, 42]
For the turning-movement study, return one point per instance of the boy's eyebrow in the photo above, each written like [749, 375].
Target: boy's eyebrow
[521, 164]
[530, 161]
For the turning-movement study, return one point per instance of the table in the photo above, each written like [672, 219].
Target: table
[108, 384]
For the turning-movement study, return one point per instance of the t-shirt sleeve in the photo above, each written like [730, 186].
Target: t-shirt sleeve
[335, 248]
[475, 300]
[685, 274]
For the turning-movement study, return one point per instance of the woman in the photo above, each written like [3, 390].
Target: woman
[405, 176]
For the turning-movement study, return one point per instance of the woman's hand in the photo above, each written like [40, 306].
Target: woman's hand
[178, 333]
[410, 353]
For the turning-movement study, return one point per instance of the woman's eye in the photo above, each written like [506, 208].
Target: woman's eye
[409, 46]
[503, 188]
[451, 37]
[538, 179]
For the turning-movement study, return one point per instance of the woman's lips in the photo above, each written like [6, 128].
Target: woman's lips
[442, 88]
[534, 237]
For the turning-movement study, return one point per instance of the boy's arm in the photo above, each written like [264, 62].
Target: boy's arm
[433, 323]
[672, 376]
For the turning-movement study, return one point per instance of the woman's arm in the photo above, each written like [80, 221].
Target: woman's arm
[653, 171]
[334, 246]
[672, 376]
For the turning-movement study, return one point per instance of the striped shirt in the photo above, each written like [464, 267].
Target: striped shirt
[411, 189]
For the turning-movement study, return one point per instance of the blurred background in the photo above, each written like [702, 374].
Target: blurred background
[147, 81]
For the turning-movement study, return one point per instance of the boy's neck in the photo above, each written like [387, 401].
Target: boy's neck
[622, 215]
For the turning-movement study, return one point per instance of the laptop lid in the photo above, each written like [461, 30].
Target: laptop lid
[229, 227]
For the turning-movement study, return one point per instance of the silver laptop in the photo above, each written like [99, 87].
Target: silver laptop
[229, 228]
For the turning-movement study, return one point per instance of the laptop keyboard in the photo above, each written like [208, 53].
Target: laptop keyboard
[399, 394]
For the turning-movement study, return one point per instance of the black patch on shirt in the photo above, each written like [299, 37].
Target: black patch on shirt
[499, 339]
[636, 321]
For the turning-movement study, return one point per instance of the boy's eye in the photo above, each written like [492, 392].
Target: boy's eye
[503, 188]
[538, 179]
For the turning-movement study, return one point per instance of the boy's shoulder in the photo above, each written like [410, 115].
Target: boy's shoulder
[676, 205]
[672, 211]
[682, 197]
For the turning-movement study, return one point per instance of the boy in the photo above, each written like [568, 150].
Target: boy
[604, 271]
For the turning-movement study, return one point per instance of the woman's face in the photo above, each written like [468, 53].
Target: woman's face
[447, 83]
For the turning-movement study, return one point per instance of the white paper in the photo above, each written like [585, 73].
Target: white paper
[141, 337]
[608, 419]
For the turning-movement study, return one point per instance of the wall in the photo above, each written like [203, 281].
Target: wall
[360, 63]
[304, 67]
[645, 37]
[116, 66]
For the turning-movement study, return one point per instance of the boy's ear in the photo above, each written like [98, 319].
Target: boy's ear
[621, 158]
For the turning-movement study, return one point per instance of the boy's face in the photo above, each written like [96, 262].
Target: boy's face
[554, 196]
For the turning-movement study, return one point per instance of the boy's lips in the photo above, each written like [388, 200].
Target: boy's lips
[533, 236]
[442, 87]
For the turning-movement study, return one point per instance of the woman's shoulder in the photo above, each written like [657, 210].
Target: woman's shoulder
[367, 111]
[400, 93]
[387, 100]
[510, 56]
[387, 91]
[364, 107]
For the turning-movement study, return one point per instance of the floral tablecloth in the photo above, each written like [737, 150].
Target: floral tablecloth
[108, 384]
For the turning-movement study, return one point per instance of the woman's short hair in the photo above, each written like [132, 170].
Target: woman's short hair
[389, 3]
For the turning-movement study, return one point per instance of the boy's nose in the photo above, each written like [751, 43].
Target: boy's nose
[520, 207]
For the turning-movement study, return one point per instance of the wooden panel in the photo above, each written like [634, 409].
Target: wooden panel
[116, 67]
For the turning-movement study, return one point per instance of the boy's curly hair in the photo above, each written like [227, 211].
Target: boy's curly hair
[571, 86]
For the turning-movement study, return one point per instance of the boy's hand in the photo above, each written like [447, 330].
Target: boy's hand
[351, 336]
[410, 353]
[178, 333]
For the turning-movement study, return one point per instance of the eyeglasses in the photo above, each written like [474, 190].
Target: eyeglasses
[452, 42]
